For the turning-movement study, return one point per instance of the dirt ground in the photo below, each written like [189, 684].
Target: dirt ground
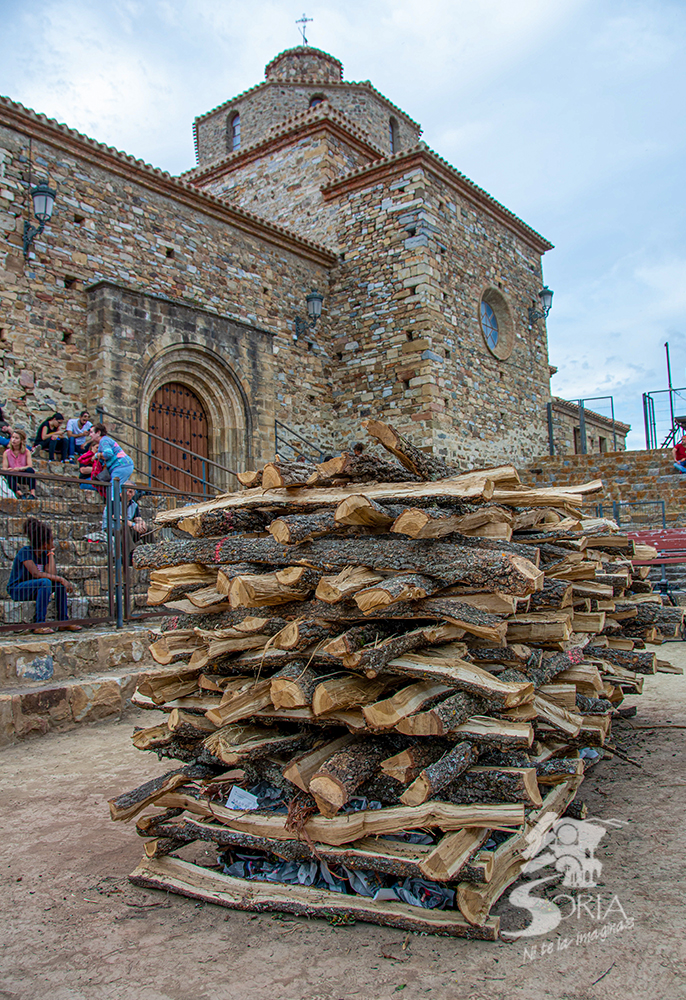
[72, 926]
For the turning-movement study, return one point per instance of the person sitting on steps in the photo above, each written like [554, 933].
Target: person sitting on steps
[49, 436]
[679, 455]
[33, 576]
[17, 457]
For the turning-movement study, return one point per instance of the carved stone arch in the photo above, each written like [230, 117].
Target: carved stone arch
[219, 388]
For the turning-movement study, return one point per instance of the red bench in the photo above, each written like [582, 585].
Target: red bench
[669, 542]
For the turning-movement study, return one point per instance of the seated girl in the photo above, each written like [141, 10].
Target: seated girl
[33, 576]
[17, 457]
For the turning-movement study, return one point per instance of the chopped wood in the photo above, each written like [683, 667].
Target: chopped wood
[243, 706]
[295, 583]
[406, 765]
[348, 582]
[343, 772]
[494, 784]
[214, 523]
[293, 686]
[406, 587]
[359, 469]
[347, 692]
[174, 875]
[359, 510]
[278, 474]
[236, 744]
[304, 766]
[413, 698]
[177, 580]
[451, 670]
[293, 528]
[250, 479]
[433, 522]
[129, 804]
[421, 463]
[432, 779]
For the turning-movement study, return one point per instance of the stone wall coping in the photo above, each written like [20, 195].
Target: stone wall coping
[177, 303]
[38, 126]
[307, 82]
[422, 155]
[323, 116]
[571, 409]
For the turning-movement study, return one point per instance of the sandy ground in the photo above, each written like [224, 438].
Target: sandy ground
[72, 926]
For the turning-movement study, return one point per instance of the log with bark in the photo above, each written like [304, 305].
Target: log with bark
[341, 774]
[359, 469]
[279, 474]
[434, 778]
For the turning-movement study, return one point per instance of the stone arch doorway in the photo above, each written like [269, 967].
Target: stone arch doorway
[222, 397]
[178, 415]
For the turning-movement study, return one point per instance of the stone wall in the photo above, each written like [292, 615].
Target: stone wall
[407, 319]
[600, 434]
[117, 221]
[270, 104]
[284, 184]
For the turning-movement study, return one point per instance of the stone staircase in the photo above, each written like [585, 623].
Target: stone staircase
[627, 476]
[55, 682]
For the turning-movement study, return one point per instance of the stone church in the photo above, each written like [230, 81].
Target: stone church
[180, 304]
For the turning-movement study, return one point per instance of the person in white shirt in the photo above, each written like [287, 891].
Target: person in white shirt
[77, 433]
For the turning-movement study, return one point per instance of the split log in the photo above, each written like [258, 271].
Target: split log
[293, 686]
[452, 853]
[207, 597]
[421, 464]
[406, 587]
[356, 638]
[566, 722]
[227, 574]
[346, 583]
[638, 661]
[494, 569]
[543, 626]
[514, 653]
[178, 578]
[213, 523]
[409, 763]
[346, 828]
[373, 659]
[278, 475]
[499, 784]
[250, 479]
[438, 775]
[359, 510]
[342, 774]
[430, 522]
[304, 766]
[293, 528]
[493, 603]
[129, 804]
[173, 875]
[168, 686]
[593, 706]
[347, 692]
[387, 713]
[295, 583]
[239, 744]
[359, 469]
[299, 634]
[557, 770]
[542, 671]
[447, 667]
[243, 706]
[478, 729]
[563, 695]
[480, 623]
[555, 594]
[443, 719]
[189, 727]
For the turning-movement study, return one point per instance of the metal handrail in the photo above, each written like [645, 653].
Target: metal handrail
[105, 413]
[170, 465]
[310, 444]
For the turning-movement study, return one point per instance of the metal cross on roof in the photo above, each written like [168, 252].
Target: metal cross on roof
[304, 21]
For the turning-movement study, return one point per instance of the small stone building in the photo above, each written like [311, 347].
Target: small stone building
[602, 434]
[172, 301]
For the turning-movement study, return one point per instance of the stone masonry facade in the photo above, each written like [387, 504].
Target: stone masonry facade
[142, 279]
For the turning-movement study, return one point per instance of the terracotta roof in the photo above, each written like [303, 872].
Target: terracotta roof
[421, 152]
[304, 122]
[30, 123]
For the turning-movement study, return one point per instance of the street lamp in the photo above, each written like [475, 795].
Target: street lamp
[314, 310]
[43, 204]
[546, 297]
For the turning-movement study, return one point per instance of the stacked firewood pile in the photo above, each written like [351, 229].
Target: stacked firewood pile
[382, 676]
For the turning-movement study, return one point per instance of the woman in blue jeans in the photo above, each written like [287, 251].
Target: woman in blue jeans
[119, 465]
[33, 576]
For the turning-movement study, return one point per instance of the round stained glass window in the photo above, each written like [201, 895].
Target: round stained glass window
[489, 324]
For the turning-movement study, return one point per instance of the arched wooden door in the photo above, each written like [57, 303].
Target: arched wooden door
[177, 415]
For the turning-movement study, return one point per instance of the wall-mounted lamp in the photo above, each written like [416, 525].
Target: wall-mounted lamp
[546, 297]
[43, 204]
[314, 311]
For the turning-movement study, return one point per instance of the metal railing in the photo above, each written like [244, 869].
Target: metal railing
[581, 405]
[617, 506]
[92, 553]
[661, 417]
[147, 457]
[301, 445]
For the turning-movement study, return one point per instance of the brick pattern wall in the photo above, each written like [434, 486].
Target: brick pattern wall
[566, 431]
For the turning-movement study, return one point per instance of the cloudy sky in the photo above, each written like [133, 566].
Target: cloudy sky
[570, 112]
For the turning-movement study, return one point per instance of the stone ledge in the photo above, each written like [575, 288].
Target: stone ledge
[57, 707]
[33, 660]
